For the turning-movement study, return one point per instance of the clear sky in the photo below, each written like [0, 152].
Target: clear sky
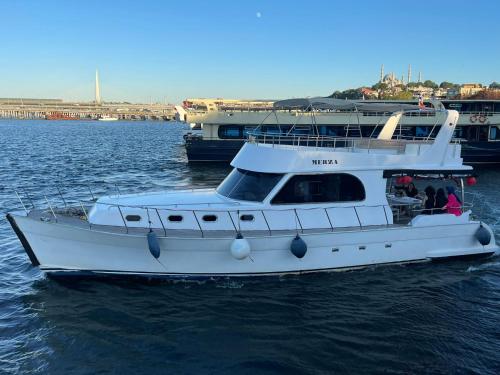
[170, 50]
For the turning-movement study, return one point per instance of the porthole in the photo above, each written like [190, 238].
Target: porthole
[133, 218]
[246, 217]
[175, 218]
[209, 218]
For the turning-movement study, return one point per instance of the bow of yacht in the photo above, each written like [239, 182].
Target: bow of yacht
[291, 204]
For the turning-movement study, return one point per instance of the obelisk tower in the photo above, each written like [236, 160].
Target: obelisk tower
[97, 89]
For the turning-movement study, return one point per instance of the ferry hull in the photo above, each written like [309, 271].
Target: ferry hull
[66, 250]
[226, 150]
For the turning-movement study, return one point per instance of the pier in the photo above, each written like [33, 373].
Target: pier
[19, 108]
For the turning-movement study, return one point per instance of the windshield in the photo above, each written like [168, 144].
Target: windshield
[248, 186]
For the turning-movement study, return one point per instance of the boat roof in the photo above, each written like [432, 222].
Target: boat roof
[340, 104]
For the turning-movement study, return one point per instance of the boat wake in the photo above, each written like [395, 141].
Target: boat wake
[484, 266]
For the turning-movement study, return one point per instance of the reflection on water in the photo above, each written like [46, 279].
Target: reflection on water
[432, 318]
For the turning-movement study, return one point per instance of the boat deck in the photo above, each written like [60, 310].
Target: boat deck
[76, 217]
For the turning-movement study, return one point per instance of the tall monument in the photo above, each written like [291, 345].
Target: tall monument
[409, 73]
[97, 89]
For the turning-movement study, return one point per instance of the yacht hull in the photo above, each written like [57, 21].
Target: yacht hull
[66, 250]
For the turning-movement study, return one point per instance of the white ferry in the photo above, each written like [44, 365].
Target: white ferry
[224, 127]
[292, 204]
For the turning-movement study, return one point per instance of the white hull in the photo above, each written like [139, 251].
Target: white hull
[63, 248]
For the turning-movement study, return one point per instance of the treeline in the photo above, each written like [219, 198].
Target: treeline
[405, 94]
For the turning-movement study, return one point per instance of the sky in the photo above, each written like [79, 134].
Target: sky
[171, 50]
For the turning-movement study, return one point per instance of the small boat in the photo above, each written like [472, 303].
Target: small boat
[60, 116]
[107, 118]
[293, 203]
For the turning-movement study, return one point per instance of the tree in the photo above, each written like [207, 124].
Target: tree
[495, 85]
[348, 94]
[430, 84]
[446, 85]
[380, 86]
[486, 94]
[402, 95]
[413, 84]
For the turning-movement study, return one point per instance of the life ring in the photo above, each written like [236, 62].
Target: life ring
[473, 118]
[482, 119]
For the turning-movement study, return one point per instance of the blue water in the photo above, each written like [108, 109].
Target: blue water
[425, 318]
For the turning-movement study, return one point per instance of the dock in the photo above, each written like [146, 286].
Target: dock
[21, 108]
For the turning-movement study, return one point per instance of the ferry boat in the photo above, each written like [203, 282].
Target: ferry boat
[223, 129]
[292, 204]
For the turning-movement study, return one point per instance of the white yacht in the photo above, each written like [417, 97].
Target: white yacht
[292, 204]
[107, 118]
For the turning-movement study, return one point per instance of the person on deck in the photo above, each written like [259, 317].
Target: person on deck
[441, 201]
[429, 200]
[454, 205]
[411, 191]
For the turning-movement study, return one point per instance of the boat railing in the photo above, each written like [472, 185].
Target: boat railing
[345, 143]
[235, 215]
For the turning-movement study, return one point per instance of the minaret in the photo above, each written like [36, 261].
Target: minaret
[381, 73]
[97, 89]
[409, 73]
[419, 77]
[402, 79]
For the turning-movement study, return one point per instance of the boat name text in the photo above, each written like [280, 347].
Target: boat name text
[324, 161]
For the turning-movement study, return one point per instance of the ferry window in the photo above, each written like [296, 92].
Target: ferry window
[209, 218]
[483, 133]
[230, 132]
[422, 131]
[248, 129]
[175, 218]
[133, 218]
[459, 132]
[272, 129]
[332, 187]
[246, 217]
[248, 186]
[332, 131]
[495, 133]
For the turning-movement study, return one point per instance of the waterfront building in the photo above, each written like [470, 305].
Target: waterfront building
[468, 89]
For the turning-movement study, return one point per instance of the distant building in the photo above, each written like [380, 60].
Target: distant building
[391, 81]
[369, 93]
[440, 93]
[452, 92]
[426, 92]
[468, 89]
[221, 103]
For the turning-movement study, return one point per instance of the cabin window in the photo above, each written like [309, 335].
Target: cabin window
[246, 217]
[133, 218]
[209, 218]
[320, 188]
[175, 218]
[495, 133]
[248, 186]
[230, 132]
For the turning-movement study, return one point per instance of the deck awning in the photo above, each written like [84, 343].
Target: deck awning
[339, 104]
[448, 173]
